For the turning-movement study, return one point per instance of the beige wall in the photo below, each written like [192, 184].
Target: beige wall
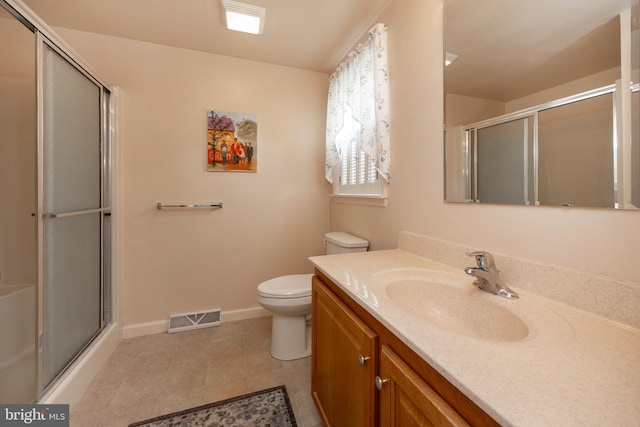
[464, 110]
[600, 241]
[17, 181]
[584, 84]
[181, 261]
[273, 220]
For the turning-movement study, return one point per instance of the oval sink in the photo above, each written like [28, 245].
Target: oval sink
[450, 303]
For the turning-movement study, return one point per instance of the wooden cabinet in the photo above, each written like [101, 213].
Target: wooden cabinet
[350, 348]
[343, 362]
[406, 400]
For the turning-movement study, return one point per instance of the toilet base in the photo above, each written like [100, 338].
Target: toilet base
[289, 337]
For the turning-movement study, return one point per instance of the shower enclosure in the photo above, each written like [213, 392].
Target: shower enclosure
[562, 153]
[55, 214]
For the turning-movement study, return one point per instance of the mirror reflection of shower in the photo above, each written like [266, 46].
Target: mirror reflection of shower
[558, 154]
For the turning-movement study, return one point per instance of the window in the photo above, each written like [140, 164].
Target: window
[358, 124]
[357, 173]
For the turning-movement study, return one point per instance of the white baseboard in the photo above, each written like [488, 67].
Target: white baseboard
[245, 313]
[70, 388]
[159, 326]
[146, 328]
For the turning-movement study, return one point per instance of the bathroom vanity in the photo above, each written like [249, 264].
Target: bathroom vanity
[403, 339]
[353, 352]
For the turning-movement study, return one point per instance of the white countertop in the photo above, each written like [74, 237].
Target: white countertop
[573, 368]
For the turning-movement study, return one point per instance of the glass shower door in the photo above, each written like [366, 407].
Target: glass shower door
[72, 212]
[502, 169]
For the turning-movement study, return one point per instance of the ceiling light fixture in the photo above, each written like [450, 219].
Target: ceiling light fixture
[243, 17]
[449, 58]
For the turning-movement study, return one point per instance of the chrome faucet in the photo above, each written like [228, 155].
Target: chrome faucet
[487, 276]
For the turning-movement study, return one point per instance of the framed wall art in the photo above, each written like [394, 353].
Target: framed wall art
[232, 142]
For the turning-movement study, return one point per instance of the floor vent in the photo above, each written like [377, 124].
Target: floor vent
[190, 321]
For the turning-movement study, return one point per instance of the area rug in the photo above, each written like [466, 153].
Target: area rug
[265, 408]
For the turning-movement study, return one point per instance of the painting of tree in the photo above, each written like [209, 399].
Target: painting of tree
[232, 142]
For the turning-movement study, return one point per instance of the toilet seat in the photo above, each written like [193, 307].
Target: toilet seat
[286, 287]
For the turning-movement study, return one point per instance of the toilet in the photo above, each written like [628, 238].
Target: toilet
[288, 298]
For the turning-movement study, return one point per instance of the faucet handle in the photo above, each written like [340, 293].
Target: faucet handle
[484, 259]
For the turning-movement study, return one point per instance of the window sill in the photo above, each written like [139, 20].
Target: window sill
[354, 199]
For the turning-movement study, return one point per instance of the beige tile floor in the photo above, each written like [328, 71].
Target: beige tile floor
[157, 374]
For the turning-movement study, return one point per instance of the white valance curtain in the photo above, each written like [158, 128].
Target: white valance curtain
[361, 85]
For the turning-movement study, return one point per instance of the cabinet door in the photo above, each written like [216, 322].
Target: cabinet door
[406, 400]
[343, 362]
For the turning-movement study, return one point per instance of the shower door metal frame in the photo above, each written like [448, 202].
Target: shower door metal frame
[472, 141]
[471, 132]
[107, 104]
[43, 41]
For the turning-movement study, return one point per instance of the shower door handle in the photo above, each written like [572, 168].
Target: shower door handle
[51, 215]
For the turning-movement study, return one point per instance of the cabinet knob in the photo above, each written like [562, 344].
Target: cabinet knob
[362, 360]
[380, 382]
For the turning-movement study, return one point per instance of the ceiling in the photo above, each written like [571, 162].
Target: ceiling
[508, 49]
[309, 34]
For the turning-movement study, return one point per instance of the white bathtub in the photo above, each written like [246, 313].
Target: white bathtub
[17, 344]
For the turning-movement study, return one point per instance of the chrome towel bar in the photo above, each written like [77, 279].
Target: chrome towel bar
[160, 205]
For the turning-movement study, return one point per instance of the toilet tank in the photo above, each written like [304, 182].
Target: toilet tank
[339, 242]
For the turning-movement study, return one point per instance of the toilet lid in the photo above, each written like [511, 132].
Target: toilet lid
[292, 286]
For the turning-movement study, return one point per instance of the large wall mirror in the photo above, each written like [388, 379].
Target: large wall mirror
[542, 102]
